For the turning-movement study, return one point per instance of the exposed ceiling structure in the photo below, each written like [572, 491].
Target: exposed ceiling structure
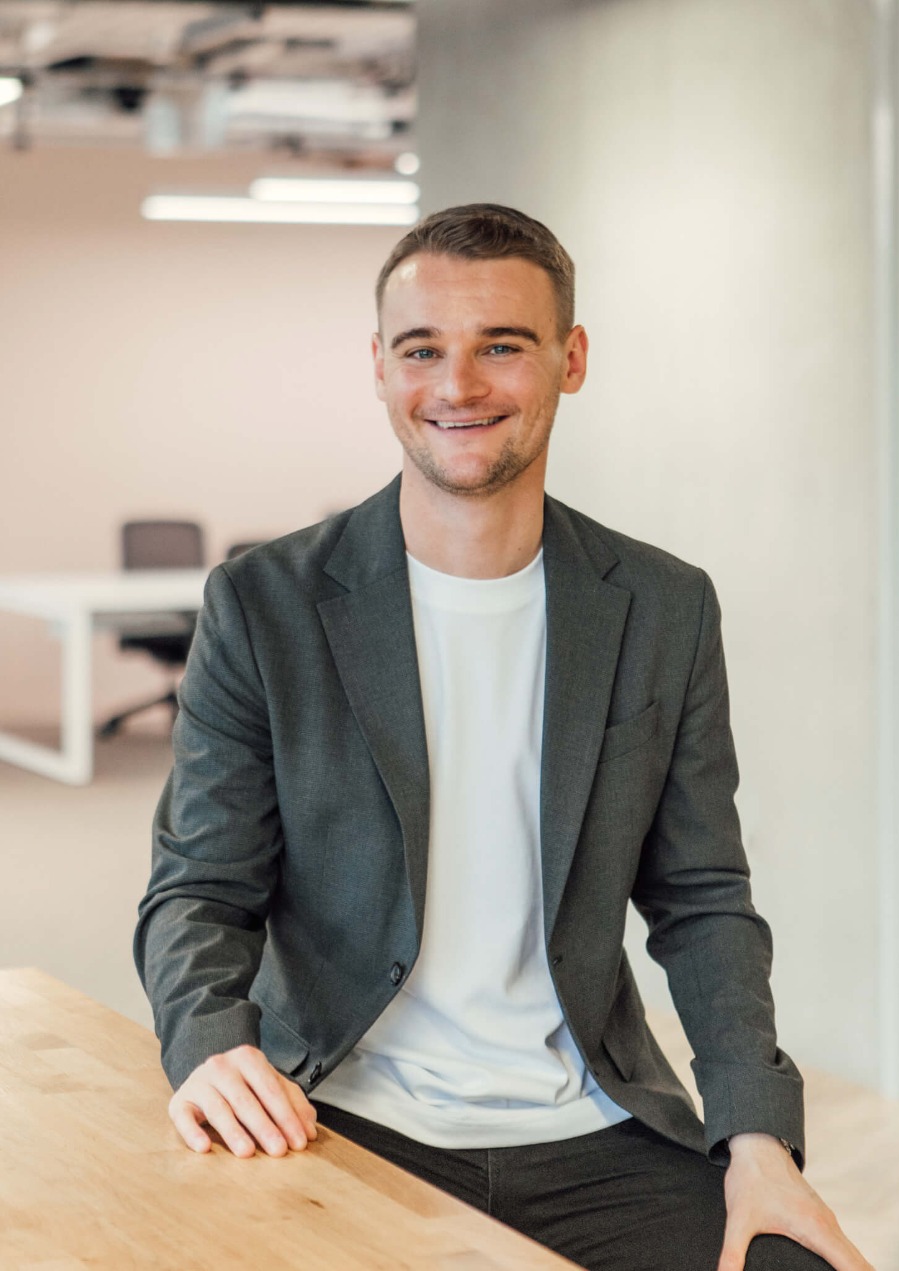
[331, 82]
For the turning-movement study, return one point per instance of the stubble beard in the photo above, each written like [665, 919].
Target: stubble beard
[509, 464]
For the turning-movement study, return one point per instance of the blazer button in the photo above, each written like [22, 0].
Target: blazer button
[557, 959]
[397, 971]
[315, 1073]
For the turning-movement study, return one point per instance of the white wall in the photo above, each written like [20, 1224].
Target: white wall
[706, 162]
[217, 372]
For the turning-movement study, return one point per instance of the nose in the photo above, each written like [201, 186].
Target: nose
[462, 380]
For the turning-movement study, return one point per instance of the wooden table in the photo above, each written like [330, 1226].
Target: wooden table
[92, 1173]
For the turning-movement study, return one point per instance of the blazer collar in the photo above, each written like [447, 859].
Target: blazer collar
[372, 544]
[372, 639]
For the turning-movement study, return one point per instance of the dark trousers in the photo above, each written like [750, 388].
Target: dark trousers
[622, 1199]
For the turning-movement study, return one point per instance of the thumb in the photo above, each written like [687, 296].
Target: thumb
[736, 1242]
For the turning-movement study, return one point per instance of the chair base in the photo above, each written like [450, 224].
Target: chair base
[112, 726]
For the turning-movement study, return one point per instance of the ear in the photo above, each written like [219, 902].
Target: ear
[575, 373]
[377, 353]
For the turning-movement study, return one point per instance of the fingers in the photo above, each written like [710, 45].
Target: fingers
[222, 1117]
[809, 1223]
[302, 1108]
[246, 1101]
[736, 1242]
[187, 1118]
[290, 1118]
[827, 1238]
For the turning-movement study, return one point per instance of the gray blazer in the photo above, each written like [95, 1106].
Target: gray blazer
[286, 900]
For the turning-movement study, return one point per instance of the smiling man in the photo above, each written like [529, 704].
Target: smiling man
[428, 752]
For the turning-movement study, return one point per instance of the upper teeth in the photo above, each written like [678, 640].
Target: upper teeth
[465, 423]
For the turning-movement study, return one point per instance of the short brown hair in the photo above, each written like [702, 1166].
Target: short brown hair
[489, 231]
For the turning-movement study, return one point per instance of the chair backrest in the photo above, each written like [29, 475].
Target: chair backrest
[162, 545]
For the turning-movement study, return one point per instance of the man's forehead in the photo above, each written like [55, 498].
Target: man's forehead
[406, 271]
[425, 268]
[483, 293]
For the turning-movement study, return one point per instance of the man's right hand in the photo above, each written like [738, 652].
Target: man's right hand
[244, 1098]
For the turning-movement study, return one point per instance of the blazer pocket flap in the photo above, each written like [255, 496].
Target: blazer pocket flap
[621, 738]
[624, 1035]
[282, 1047]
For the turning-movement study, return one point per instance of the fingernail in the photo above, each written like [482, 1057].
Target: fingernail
[298, 1142]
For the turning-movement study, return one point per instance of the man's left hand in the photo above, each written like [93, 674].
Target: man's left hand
[766, 1195]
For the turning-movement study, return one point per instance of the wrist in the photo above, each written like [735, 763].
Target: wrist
[751, 1143]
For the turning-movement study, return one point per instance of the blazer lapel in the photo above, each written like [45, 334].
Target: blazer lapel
[372, 639]
[585, 619]
[371, 635]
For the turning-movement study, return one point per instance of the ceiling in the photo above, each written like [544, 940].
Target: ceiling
[331, 82]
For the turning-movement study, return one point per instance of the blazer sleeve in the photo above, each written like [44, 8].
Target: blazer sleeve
[217, 839]
[692, 889]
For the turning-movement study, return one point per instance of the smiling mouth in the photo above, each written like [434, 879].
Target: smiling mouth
[466, 423]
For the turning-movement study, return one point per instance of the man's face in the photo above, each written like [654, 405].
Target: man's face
[470, 363]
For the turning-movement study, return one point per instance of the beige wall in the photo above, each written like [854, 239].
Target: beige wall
[707, 164]
[207, 371]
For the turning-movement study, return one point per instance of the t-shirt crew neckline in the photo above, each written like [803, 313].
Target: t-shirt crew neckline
[475, 595]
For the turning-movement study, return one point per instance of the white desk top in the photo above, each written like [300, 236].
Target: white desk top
[116, 591]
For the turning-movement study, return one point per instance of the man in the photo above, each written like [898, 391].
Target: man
[427, 752]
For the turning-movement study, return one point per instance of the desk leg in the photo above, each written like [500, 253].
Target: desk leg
[77, 720]
[74, 763]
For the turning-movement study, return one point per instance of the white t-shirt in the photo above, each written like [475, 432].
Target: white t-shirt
[474, 1050]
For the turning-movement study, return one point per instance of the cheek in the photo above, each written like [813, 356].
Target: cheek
[532, 387]
[402, 399]
[405, 390]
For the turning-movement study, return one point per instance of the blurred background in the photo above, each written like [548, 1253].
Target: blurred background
[722, 172]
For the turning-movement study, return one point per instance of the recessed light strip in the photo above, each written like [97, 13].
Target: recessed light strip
[196, 207]
[318, 190]
[10, 90]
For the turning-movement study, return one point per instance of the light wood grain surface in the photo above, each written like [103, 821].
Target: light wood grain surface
[93, 1175]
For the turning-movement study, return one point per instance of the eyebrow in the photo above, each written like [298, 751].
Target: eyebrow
[517, 333]
[491, 333]
[414, 333]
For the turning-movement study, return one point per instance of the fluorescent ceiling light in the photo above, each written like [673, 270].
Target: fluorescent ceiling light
[196, 207]
[314, 190]
[10, 90]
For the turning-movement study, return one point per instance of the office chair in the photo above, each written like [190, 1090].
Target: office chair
[159, 545]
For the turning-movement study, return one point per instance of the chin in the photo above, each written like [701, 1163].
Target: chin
[486, 481]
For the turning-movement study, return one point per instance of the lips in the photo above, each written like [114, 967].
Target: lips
[466, 423]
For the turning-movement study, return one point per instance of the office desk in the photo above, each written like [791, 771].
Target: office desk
[75, 604]
[93, 1174]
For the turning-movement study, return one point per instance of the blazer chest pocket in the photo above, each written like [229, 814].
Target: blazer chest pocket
[622, 738]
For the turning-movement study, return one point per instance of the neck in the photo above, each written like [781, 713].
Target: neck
[473, 536]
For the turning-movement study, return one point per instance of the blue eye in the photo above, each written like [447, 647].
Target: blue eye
[502, 348]
[421, 355]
